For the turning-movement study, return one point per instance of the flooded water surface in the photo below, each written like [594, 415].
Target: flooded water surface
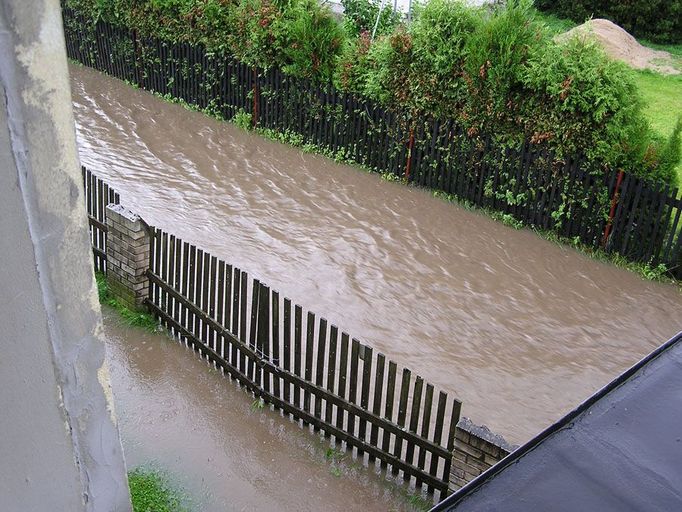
[177, 414]
[520, 329]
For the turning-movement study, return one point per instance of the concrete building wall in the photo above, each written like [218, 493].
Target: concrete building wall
[59, 444]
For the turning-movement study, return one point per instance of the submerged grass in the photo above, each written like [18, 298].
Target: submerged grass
[152, 491]
[134, 318]
[648, 271]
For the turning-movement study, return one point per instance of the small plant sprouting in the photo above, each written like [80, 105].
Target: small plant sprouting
[653, 273]
[418, 502]
[507, 219]
[389, 176]
[258, 404]
[243, 120]
[336, 471]
[333, 455]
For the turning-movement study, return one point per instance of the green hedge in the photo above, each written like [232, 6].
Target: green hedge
[493, 70]
[659, 21]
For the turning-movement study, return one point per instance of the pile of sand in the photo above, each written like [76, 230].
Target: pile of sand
[620, 45]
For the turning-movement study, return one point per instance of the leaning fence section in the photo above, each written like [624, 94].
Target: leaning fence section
[301, 364]
[599, 209]
[291, 358]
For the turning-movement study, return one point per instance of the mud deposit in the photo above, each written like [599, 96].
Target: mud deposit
[517, 327]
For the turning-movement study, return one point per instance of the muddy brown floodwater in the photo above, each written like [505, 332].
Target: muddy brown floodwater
[519, 328]
[177, 414]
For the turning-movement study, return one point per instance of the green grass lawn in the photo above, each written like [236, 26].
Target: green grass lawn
[663, 96]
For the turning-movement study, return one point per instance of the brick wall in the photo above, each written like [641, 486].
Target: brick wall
[476, 450]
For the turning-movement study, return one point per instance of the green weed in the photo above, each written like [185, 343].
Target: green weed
[131, 317]
[257, 405]
[243, 120]
[418, 502]
[151, 491]
[648, 271]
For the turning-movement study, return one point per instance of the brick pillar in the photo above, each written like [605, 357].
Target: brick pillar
[476, 450]
[127, 256]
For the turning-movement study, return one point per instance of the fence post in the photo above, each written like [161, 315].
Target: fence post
[476, 449]
[127, 256]
[408, 165]
[137, 49]
[256, 98]
[612, 212]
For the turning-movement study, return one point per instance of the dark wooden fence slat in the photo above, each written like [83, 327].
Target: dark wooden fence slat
[438, 433]
[263, 338]
[243, 305]
[426, 420]
[343, 369]
[353, 382]
[275, 341]
[376, 402]
[236, 306]
[414, 419]
[253, 332]
[402, 413]
[298, 351]
[454, 419]
[319, 372]
[388, 408]
[309, 347]
[367, 356]
[286, 340]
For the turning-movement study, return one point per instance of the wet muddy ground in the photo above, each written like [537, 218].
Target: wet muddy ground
[178, 414]
[519, 328]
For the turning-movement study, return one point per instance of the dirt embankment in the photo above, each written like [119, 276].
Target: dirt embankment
[620, 45]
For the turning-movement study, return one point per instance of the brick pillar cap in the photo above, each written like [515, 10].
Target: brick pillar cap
[123, 212]
[483, 432]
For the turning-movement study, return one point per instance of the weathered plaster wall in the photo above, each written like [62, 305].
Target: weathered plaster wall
[59, 444]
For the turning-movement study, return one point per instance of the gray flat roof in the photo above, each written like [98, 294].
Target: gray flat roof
[620, 450]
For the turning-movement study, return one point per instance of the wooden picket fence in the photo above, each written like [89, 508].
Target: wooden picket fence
[291, 358]
[621, 214]
[98, 194]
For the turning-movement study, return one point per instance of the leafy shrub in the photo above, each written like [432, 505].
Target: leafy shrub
[301, 36]
[361, 16]
[440, 36]
[498, 52]
[419, 67]
[584, 102]
[257, 36]
[493, 70]
[315, 40]
[657, 20]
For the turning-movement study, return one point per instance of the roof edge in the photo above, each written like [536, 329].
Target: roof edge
[477, 482]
